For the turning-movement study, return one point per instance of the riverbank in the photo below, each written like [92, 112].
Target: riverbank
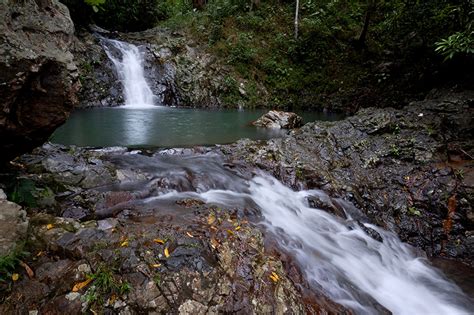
[97, 221]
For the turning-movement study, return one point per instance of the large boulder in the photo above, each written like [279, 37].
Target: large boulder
[279, 120]
[38, 77]
[13, 225]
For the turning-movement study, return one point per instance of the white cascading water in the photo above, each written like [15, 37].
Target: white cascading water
[129, 67]
[337, 256]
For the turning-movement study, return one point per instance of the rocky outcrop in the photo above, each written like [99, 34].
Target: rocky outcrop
[13, 225]
[128, 256]
[409, 170]
[279, 120]
[178, 70]
[38, 78]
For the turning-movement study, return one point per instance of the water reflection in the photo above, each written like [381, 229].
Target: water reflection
[164, 127]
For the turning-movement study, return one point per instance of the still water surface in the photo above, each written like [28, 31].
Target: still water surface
[165, 127]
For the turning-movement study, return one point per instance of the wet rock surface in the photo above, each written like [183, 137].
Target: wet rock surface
[279, 120]
[104, 242]
[409, 170]
[179, 72]
[38, 77]
[125, 251]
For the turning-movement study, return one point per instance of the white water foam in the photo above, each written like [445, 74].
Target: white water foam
[339, 258]
[129, 66]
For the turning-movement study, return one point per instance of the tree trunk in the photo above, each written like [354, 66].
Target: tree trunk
[297, 18]
[198, 4]
[360, 41]
[253, 3]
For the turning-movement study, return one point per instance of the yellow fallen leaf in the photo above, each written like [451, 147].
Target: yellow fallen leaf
[230, 232]
[237, 228]
[211, 219]
[15, 276]
[80, 285]
[156, 265]
[274, 276]
[112, 299]
[159, 241]
[124, 244]
[49, 226]
[214, 243]
[189, 234]
[28, 270]
[167, 253]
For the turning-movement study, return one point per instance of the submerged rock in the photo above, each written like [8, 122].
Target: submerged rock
[279, 120]
[38, 77]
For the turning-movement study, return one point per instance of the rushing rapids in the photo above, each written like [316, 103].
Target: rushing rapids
[337, 255]
[356, 264]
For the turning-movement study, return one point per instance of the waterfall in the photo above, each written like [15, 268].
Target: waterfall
[336, 255]
[128, 62]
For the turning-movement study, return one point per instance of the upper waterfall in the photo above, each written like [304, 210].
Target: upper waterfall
[128, 62]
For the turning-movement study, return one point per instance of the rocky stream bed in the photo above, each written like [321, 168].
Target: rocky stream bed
[99, 244]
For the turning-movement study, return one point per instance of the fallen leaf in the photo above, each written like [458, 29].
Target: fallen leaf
[211, 219]
[189, 234]
[230, 232]
[80, 285]
[274, 276]
[156, 265]
[112, 299]
[124, 244]
[167, 253]
[28, 270]
[159, 241]
[237, 228]
[214, 243]
[15, 277]
[49, 226]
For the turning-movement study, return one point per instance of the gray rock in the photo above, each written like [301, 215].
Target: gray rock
[38, 77]
[13, 226]
[279, 120]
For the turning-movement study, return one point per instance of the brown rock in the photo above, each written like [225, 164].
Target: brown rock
[38, 77]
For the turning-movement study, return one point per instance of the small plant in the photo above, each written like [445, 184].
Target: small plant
[394, 150]
[10, 262]
[458, 43]
[157, 279]
[23, 193]
[299, 173]
[459, 173]
[414, 211]
[105, 285]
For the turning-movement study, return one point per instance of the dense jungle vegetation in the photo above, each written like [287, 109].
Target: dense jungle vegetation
[342, 53]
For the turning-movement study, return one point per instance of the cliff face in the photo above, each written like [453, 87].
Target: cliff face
[38, 77]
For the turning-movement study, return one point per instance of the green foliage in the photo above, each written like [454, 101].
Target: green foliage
[106, 283]
[10, 262]
[257, 41]
[414, 211]
[458, 43]
[95, 4]
[23, 192]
